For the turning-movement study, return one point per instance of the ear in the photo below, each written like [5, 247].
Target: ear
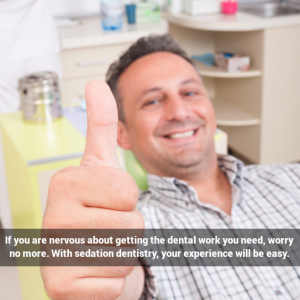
[122, 138]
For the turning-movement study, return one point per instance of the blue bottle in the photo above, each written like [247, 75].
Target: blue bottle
[111, 14]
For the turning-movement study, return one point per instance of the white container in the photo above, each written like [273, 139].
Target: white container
[40, 99]
[201, 7]
[236, 63]
[111, 14]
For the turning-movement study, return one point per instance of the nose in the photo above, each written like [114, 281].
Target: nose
[176, 109]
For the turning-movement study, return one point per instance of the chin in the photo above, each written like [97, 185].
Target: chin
[188, 159]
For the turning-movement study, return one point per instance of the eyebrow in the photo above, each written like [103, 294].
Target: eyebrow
[155, 89]
[187, 81]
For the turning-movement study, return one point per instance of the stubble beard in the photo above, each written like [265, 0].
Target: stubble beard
[181, 167]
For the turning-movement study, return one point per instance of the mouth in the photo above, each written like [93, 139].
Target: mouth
[181, 135]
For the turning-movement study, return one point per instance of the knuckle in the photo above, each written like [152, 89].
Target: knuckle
[138, 220]
[57, 198]
[122, 271]
[114, 271]
[57, 221]
[59, 181]
[126, 270]
[128, 220]
[130, 191]
[53, 293]
[47, 221]
[125, 219]
[54, 220]
[55, 289]
[116, 289]
[55, 182]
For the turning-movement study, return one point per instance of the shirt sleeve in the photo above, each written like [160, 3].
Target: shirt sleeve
[150, 291]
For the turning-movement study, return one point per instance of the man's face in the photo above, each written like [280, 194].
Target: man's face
[170, 121]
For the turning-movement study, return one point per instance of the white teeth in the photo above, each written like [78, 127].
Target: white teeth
[182, 134]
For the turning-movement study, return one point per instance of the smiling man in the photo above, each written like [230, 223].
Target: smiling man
[167, 120]
[166, 117]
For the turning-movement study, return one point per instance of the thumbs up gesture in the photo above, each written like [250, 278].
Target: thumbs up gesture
[95, 195]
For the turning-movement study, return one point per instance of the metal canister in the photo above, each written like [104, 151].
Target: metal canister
[40, 98]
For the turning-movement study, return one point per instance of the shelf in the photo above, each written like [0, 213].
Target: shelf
[228, 114]
[207, 71]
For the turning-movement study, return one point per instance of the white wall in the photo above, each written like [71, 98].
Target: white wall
[75, 7]
[82, 7]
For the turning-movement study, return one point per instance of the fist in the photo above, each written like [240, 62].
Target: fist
[95, 195]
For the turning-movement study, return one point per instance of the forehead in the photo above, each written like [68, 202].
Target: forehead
[156, 68]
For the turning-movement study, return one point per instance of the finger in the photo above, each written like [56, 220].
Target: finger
[61, 284]
[103, 272]
[103, 187]
[109, 219]
[97, 288]
[102, 118]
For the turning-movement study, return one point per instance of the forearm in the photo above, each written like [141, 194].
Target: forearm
[134, 285]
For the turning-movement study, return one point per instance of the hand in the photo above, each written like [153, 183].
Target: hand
[97, 194]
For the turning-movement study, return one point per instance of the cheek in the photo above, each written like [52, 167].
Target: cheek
[206, 111]
[211, 115]
[143, 126]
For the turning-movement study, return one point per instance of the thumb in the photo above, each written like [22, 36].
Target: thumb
[102, 122]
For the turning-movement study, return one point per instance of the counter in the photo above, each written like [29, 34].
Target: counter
[89, 33]
[238, 22]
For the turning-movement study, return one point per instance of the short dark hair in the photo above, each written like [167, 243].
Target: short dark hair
[142, 47]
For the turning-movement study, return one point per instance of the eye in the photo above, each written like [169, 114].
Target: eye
[190, 94]
[152, 102]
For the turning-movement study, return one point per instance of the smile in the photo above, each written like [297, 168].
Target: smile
[181, 135]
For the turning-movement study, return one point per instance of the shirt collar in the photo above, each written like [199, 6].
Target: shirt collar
[233, 169]
[178, 190]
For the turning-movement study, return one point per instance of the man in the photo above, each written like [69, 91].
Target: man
[167, 120]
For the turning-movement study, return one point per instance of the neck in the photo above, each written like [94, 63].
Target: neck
[213, 187]
[210, 183]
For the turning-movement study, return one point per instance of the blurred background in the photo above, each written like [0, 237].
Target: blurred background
[247, 53]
